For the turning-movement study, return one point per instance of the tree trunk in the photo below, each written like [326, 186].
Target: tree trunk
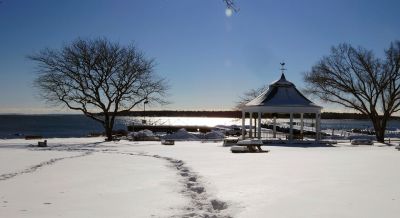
[108, 133]
[382, 130]
[380, 135]
[379, 127]
[107, 127]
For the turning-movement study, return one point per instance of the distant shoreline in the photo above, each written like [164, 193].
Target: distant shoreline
[215, 114]
[238, 114]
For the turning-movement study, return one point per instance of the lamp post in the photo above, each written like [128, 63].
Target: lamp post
[144, 110]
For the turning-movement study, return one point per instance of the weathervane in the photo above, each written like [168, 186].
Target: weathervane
[283, 67]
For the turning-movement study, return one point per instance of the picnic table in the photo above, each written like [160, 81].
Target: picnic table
[230, 141]
[253, 145]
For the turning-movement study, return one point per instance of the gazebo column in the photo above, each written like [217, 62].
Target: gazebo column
[291, 127]
[274, 129]
[251, 126]
[301, 124]
[259, 125]
[255, 132]
[243, 126]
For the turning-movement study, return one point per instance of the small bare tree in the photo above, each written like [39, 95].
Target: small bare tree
[356, 79]
[97, 77]
[249, 95]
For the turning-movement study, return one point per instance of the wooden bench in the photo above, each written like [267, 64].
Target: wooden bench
[168, 142]
[42, 144]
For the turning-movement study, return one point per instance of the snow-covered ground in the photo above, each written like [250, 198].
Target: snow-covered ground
[85, 177]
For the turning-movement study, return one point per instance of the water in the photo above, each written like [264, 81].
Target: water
[17, 126]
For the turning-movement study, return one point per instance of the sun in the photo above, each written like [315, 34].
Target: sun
[228, 12]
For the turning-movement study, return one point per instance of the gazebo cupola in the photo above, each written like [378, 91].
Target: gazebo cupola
[282, 97]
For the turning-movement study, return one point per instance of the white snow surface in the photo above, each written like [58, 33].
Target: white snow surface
[182, 134]
[143, 133]
[86, 177]
[214, 135]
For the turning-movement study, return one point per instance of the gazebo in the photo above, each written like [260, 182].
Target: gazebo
[282, 97]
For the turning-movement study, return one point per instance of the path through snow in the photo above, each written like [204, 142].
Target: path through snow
[202, 204]
[40, 165]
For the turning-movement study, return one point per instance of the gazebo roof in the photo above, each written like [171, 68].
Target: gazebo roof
[282, 96]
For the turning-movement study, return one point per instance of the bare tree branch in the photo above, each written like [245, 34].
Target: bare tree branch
[249, 95]
[230, 4]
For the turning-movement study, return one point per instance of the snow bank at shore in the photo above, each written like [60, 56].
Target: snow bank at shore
[85, 177]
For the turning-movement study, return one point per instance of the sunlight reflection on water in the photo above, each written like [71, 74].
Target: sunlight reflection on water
[211, 122]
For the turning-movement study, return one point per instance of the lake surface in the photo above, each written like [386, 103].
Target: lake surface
[15, 126]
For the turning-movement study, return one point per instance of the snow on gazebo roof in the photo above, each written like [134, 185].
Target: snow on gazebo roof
[282, 96]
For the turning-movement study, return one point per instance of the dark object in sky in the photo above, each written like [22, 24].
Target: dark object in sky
[230, 4]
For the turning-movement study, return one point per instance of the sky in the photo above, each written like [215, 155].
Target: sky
[208, 57]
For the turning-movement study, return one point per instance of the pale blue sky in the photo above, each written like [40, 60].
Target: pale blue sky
[208, 58]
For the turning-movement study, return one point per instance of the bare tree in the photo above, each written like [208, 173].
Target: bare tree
[97, 77]
[248, 96]
[356, 79]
